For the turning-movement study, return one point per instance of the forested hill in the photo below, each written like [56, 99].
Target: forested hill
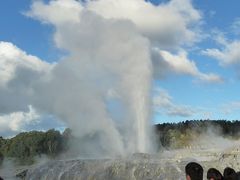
[25, 146]
[178, 135]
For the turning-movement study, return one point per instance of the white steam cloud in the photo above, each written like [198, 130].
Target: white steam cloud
[116, 59]
[76, 90]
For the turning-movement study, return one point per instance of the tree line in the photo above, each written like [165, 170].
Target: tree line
[178, 135]
[27, 145]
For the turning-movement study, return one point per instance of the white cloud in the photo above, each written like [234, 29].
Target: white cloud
[17, 121]
[180, 64]
[163, 103]
[11, 58]
[229, 53]
[150, 19]
[57, 12]
[18, 74]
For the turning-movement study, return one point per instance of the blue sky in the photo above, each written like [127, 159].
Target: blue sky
[183, 91]
[218, 15]
[25, 32]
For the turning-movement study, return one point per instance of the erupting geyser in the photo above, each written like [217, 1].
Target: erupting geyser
[142, 113]
[112, 65]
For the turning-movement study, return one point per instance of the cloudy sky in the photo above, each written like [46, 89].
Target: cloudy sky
[191, 48]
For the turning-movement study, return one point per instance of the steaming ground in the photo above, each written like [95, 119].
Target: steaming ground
[213, 151]
[165, 165]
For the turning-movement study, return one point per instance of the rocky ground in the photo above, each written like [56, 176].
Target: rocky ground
[166, 165]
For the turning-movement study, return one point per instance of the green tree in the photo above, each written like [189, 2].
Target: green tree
[1, 158]
[53, 142]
